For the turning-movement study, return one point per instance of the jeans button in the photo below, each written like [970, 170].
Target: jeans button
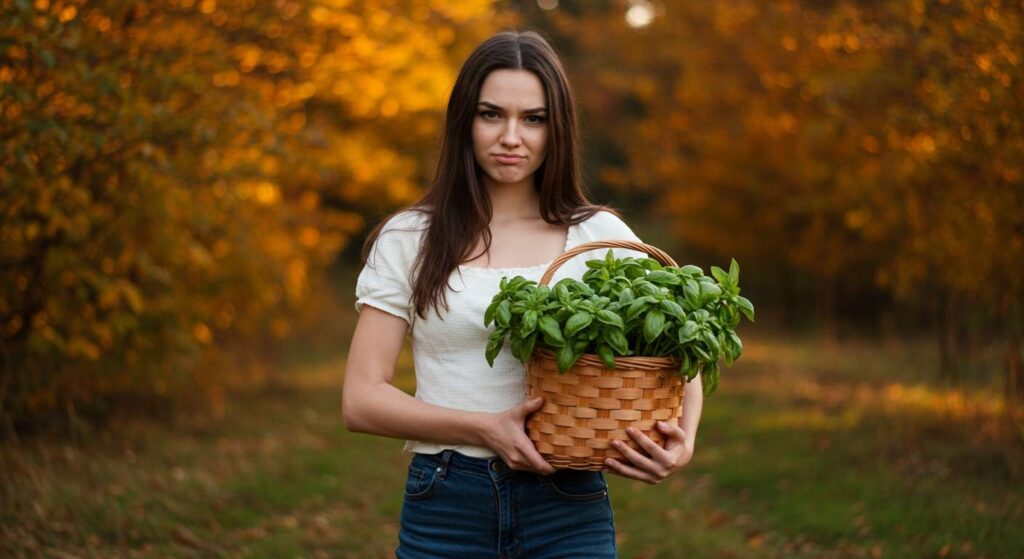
[496, 466]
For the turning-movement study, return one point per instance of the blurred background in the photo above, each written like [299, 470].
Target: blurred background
[186, 186]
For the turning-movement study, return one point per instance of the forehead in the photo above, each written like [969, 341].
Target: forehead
[513, 88]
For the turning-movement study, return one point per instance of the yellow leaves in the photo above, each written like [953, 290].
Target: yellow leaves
[68, 14]
[295, 279]
[309, 236]
[78, 346]
[202, 333]
[984, 62]
[264, 193]
[856, 219]
[921, 143]
[112, 293]
[199, 209]
[280, 327]
[789, 43]
[248, 56]
[227, 79]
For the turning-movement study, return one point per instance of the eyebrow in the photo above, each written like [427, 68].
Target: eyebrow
[527, 111]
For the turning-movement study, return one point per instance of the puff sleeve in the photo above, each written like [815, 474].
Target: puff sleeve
[385, 282]
[608, 227]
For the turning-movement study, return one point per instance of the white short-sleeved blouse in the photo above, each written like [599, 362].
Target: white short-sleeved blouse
[448, 352]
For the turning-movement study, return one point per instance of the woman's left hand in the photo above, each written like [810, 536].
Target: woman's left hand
[659, 463]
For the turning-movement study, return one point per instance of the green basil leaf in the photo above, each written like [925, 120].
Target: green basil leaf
[489, 313]
[734, 273]
[626, 296]
[688, 331]
[529, 322]
[684, 366]
[746, 307]
[720, 275]
[637, 306]
[493, 347]
[562, 293]
[663, 278]
[673, 308]
[516, 347]
[504, 313]
[691, 292]
[737, 343]
[610, 318]
[617, 340]
[552, 333]
[565, 358]
[528, 345]
[702, 353]
[577, 322]
[654, 322]
[649, 263]
[607, 357]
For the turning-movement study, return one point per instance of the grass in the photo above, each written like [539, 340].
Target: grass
[804, 451]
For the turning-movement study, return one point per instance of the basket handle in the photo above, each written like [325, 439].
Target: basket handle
[653, 251]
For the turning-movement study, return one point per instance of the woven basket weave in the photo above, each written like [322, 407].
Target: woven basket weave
[589, 406]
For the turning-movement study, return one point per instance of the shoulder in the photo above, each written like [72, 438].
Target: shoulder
[606, 225]
[405, 228]
[410, 220]
[399, 239]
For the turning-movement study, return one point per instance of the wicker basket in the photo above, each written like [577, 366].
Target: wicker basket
[590, 405]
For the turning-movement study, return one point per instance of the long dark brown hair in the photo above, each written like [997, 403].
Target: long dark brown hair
[458, 207]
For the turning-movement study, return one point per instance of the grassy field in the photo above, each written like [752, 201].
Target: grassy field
[805, 451]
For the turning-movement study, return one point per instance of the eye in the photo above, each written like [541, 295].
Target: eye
[488, 112]
[539, 118]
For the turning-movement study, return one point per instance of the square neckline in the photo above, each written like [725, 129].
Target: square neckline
[568, 240]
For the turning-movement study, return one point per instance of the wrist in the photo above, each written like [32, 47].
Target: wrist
[483, 428]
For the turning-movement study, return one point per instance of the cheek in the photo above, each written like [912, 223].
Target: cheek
[540, 143]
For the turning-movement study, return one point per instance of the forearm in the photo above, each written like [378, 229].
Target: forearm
[693, 404]
[384, 410]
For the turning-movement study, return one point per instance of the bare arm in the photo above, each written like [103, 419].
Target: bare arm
[693, 405]
[371, 404]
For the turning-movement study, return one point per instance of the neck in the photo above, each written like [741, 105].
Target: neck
[513, 201]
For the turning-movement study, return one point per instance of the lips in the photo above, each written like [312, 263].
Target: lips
[508, 159]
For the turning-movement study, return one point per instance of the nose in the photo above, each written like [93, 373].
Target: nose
[510, 135]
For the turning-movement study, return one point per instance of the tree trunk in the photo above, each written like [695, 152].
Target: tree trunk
[949, 344]
[826, 303]
[1014, 389]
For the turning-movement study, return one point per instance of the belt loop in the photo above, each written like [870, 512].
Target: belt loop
[446, 456]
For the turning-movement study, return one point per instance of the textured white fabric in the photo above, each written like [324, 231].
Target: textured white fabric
[448, 351]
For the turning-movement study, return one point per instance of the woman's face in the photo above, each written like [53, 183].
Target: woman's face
[511, 119]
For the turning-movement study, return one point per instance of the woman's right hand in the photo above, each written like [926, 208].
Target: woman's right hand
[505, 434]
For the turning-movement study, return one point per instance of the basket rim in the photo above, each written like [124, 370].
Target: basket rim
[626, 362]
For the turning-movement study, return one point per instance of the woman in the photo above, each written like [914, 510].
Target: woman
[507, 200]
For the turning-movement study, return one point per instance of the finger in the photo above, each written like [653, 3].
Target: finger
[654, 450]
[634, 457]
[539, 464]
[629, 471]
[676, 435]
[531, 406]
[533, 459]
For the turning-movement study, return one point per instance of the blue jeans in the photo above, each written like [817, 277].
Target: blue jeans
[460, 506]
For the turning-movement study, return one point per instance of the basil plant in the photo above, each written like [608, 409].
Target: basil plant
[625, 307]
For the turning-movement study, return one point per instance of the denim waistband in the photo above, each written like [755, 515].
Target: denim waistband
[486, 467]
